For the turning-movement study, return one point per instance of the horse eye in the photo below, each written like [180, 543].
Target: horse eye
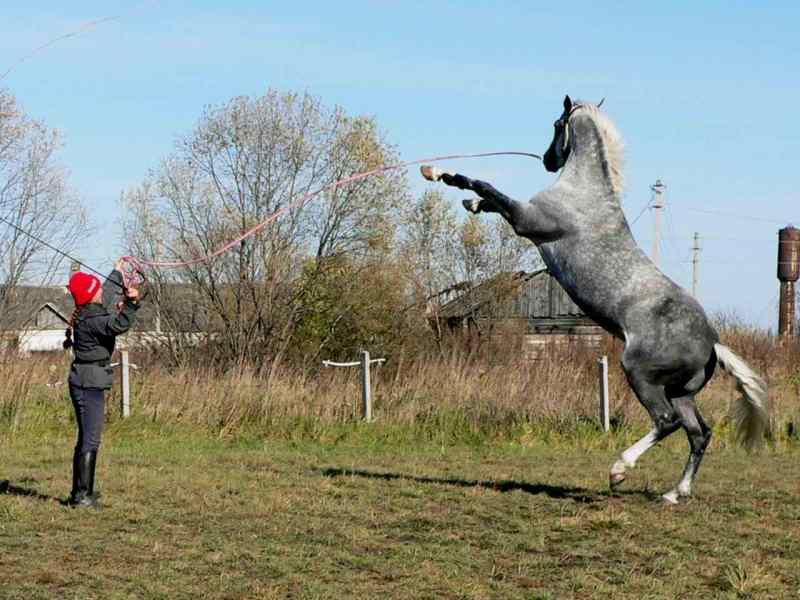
[557, 124]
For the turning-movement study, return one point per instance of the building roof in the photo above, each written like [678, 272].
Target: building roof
[22, 303]
[535, 295]
[50, 307]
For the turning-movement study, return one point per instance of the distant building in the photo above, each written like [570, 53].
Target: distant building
[533, 303]
[35, 318]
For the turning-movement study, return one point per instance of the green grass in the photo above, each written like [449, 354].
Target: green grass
[385, 512]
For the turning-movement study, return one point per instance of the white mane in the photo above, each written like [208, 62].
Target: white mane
[613, 157]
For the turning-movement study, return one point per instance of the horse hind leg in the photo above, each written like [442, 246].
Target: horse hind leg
[665, 419]
[629, 457]
[699, 435]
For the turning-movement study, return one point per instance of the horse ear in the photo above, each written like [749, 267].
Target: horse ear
[567, 103]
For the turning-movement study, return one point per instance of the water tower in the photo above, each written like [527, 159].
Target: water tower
[788, 274]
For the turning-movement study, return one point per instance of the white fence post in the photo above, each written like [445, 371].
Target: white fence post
[125, 374]
[366, 405]
[126, 385]
[366, 387]
[603, 372]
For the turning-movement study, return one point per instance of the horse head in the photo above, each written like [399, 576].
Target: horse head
[560, 148]
[558, 152]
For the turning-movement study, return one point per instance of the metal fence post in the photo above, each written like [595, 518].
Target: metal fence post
[603, 372]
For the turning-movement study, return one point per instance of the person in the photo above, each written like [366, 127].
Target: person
[92, 336]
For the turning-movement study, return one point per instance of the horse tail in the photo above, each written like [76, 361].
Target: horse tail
[751, 412]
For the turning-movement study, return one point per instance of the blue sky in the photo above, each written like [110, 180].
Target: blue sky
[703, 94]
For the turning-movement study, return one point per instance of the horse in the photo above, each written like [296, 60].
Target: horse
[670, 348]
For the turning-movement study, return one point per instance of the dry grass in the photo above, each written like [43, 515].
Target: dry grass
[458, 392]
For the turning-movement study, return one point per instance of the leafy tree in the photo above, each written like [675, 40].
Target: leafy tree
[247, 160]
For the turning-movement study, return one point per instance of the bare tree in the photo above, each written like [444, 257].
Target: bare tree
[449, 258]
[507, 252]
[428, 229]
[35, 198]
[445, 253]
[243, 162]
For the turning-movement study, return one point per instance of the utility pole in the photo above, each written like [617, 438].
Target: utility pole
[695, 263]
[658, 204]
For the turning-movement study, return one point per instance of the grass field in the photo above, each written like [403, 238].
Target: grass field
[376, 512]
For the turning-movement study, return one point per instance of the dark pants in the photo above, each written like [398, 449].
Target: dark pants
[89, 413]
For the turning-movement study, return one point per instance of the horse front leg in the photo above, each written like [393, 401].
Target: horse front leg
[490, 200]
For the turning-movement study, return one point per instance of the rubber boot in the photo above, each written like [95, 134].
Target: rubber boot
[75, 475]
[82, 495]
[93, 495]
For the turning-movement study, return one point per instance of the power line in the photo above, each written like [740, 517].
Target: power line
[741, 261]
[58, 251]
[729, 239]
[735, 216]
[639, 216]
[672, 237]
[751, 240]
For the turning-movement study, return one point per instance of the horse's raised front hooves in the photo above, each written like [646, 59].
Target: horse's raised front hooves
[472, 205]
[431, 173]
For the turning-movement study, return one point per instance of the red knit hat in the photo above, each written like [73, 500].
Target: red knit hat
[83, 287]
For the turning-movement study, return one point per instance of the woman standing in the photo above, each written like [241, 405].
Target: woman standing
[95, 326]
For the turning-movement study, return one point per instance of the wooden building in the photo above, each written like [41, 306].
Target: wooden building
[34, 319]
[534, 303]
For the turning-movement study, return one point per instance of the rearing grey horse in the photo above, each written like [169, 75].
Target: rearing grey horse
[671, 350]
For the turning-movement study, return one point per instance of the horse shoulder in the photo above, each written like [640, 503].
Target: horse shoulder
[551, 213]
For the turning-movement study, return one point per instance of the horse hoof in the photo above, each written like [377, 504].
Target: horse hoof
[431, 173]
[615, 480]
[670, 498]
[472, 205]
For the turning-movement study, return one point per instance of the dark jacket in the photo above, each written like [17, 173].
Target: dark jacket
[93, 338]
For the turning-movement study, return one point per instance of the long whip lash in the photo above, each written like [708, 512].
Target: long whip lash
[306, 197]
[74, 33]
[132, 273]
[133, 266]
